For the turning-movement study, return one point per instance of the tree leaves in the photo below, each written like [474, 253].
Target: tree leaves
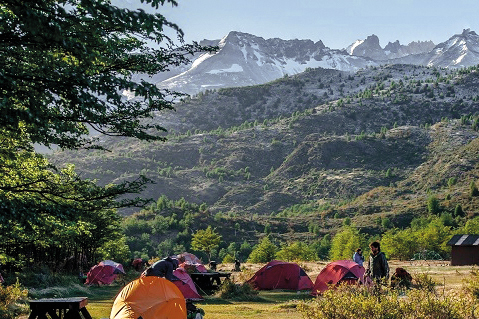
[66, 64]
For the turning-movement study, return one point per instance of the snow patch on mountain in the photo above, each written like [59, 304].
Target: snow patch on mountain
[201, 59]
[350, 49]
[233, 68]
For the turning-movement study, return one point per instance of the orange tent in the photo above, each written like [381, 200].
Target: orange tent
[151, 298]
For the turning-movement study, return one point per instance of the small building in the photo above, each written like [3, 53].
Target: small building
[465, 250]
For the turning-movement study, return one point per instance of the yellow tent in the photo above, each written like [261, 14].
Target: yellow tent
[151, 298]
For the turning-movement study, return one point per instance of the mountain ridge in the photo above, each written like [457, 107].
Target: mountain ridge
[244, 59]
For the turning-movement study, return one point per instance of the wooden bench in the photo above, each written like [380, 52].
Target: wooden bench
[59, 308]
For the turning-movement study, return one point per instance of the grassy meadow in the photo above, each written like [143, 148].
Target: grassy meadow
[269, 304]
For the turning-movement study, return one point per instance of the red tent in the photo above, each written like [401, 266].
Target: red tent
[186, 285]
[337, 272]
[104, 273]
[281, 275]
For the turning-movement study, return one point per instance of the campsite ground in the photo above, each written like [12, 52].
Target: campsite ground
[281, 304]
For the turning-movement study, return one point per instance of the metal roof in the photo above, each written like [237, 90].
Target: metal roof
[464, 240]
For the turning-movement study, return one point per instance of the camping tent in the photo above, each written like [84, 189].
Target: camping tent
[151, 298]
[186, 285]
[281, 275]
[336, 272]
[104, 273]
[193, 262]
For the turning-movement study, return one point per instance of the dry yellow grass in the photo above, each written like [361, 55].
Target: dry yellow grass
[449, 279]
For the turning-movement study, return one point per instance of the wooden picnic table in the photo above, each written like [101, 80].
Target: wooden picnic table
[59, 308]
[207, 280]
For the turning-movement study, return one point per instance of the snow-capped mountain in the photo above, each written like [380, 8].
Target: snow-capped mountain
[461, 50]
[370, 48]
[244, 59]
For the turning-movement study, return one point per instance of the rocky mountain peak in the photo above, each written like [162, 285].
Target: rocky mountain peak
[372, 40]
[393, 47]
[369, 48]
[468, 32]
[396, 50]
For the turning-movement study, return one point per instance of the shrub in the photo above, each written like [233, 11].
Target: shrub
[458, 211]
[451, 181]
[13, 301]
[238, 292]
[473, 191]
[471, 284]
[433, 206]
[424, 282]
[228, 259]
[353, 302]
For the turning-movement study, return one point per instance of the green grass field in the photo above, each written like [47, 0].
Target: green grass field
[277, 304]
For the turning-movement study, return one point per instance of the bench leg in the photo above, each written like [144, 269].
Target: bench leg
[53, 314]
[85, 313]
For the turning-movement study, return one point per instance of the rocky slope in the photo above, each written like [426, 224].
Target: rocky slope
[284, 144]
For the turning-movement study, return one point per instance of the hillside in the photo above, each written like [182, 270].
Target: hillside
[379, 142]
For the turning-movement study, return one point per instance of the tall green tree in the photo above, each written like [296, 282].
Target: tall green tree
[264, 252]
[471, 226]
[64, 68]
[296, 251]
[400, 244]
[345, 243]
[205, 240]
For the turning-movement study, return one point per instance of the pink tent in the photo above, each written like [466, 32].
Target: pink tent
[281, 275]
[336, 272]
[186, 285]
[192, 260]
[104, 273]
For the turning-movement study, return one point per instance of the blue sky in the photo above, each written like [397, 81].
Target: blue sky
[337, 23]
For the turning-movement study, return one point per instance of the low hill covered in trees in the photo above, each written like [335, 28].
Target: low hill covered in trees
[394, 140]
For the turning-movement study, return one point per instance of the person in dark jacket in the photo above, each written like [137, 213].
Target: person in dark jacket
[163, 268]
[378, 268]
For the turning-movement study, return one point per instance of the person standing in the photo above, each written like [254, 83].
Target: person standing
[358, 257]
[378, 268]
